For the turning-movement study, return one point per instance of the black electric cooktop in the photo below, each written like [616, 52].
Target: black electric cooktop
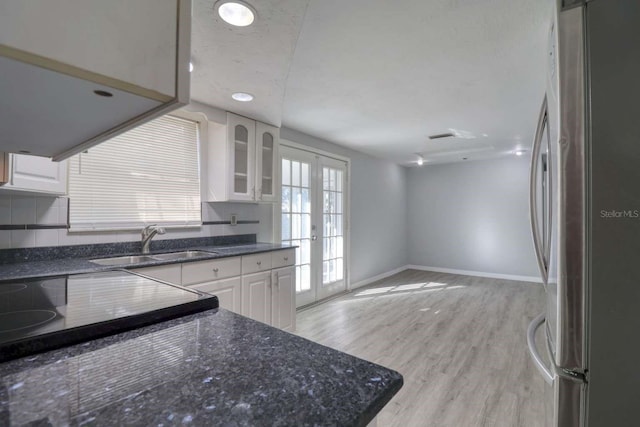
[51, 312]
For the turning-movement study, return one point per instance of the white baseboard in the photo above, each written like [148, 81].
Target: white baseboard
[380, 276]
[370, 280]
[476, 273]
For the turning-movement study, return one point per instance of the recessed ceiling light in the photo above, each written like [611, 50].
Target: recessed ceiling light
[190, 67]
[242, 97]
[420, 161]
[520, 152]
[236, 12]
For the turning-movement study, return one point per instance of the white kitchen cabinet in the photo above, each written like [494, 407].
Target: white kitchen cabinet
[266, 166]
[283, 299]
[260, 286]
[242, 158]
[241, 135]
[78, 72]
[256, 263]
[33, 174]
[256, 296]
[209, 270]
[228, 291]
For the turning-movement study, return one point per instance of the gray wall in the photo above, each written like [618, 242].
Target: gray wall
[378, 209]
[471, 216]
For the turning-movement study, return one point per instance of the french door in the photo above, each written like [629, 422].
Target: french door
[313, 212]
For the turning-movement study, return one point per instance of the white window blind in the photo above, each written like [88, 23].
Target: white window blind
[148, 175]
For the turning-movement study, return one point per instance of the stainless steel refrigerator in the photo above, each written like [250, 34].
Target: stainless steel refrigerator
[585, 215]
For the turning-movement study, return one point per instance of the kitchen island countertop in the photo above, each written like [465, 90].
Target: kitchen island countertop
[211, 368]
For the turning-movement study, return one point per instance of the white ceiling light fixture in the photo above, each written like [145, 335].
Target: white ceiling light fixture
[242, 96]
[237, 13]
[420, 160]
[520, 152]
[191, 67]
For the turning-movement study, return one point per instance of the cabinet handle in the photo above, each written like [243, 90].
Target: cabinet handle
[215, 270]
[286, 258]
[259, 263]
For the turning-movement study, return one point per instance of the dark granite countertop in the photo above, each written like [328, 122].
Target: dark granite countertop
[211, 368]
[81, 264]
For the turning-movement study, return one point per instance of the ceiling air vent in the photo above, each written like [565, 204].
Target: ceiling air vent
[442, 135]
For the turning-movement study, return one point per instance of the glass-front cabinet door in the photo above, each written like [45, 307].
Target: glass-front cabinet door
[242, 135]
[266, 157]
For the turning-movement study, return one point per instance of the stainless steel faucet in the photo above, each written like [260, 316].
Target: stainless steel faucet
[147, 234]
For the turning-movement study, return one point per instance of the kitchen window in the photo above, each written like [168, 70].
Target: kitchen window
[148, 175]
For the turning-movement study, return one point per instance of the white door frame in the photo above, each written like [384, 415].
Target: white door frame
[277, 217]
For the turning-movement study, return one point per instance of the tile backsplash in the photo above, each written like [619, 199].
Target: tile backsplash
[30, 221]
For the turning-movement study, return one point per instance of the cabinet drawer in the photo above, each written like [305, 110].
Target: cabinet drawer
[283, 258]
[167, 273]
[256, 263]
[206, 271]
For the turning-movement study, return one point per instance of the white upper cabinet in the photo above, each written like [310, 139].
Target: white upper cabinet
[33, 174]
[241, 134]
[242, 161]
[266, 137]
[77, 72]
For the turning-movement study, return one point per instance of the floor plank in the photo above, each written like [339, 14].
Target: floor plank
[459, 342]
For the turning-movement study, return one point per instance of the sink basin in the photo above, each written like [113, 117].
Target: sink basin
[182, 255]
[121, 260]
[135, 259]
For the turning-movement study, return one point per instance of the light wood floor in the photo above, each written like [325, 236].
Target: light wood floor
[459, 342]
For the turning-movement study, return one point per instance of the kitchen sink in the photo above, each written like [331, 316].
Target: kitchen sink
[122, 260]
[182, 255]
[135, 259]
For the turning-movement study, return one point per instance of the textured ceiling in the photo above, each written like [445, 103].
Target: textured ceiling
[380, 76]
[254, 59]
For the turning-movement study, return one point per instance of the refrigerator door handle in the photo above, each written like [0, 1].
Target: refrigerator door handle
[533, 193]
[546, 372]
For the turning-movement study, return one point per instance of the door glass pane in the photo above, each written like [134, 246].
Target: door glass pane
[305, 278]
[296, 231]
[306, 226]
[305, 251]
[286, 172]
[339, 269]
[325, 272]
[286, 227]
[296, 200]
[295, 174]
[286, 199]
[305, 175]
[333, 242]
[306, 201]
